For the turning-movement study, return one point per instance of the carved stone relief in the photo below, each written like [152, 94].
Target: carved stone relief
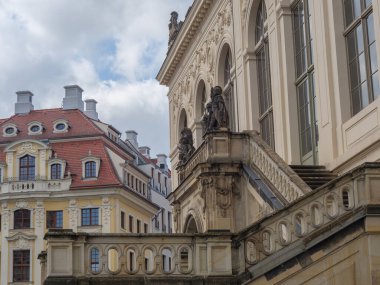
[73, 214]
[40, 214]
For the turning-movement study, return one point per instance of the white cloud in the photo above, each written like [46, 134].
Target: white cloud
[112, 49]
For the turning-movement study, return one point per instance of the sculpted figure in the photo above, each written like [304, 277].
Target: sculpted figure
[185, 145]
[174, 27]
[206, 118]
[219, 118]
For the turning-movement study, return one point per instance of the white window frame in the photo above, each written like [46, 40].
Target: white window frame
[15, 130]
[61, 121]
[35, 123]
[97, 163]
[57, 161]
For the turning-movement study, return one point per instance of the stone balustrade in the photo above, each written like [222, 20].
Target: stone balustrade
[293, 228]
[13, 186]
[122, 255]
[249, 148]
[282, 177]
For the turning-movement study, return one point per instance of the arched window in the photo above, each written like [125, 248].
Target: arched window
[263, 77]
[361, 52]
[95, 260]
[21, 219]
[27, 168]
[56, 169]
[90, 169]
[304, 63]
[203, 99]
[227, 68]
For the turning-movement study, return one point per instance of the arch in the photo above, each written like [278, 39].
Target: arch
[224, 78]
[191, 225]
[200, 99]
[182, 123]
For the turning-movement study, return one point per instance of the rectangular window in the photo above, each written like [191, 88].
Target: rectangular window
[21, 219]
[21, 265]
[122, 220]
[54, 219]
[361, 53]
[90, 217]
[138, 225]
[55, 170]
[145, 228]
[90, 169]
[27, 168]
[128, 182]
[130, 224]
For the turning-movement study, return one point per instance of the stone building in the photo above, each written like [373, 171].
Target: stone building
[159, 183]
[283, 190]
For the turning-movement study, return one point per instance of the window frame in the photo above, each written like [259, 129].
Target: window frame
[16, 267]
[24, 221]
[55, 218]
[305, 77]
[93, 220]
[30, 175]
[361, 20]
[261, 50]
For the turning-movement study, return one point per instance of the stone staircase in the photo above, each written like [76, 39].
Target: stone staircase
[314, 175]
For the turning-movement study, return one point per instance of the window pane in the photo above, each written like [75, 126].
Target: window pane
[351, 45]
[356, 102]
[352, 10]
[373, 57]
[364, 95]
[21, 265]
[362, 68]
[359, 39]
[371, 30]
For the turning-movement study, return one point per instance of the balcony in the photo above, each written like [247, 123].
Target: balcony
[168, 258]
[13, 185]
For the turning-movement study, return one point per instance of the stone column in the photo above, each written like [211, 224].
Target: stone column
[5, 223]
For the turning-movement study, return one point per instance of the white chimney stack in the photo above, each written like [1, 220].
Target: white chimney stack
[24, 102]
[91, 109]
[132, 138]
[73, 98]
[145, 151]
[161, 161]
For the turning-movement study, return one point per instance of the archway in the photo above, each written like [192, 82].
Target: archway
[191, 225]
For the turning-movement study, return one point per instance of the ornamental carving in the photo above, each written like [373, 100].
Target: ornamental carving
[27, 148]
[22, 243]
[73, 214]
[4, 216]
[205, 183]
[21, 204]
[204, 57]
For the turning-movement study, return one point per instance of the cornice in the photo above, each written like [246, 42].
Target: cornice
[183, 40]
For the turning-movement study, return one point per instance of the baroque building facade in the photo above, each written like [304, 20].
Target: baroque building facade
[64, 169]
[283, 189]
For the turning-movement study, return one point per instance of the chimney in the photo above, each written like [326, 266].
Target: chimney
[73, 98]
[132, 138]
[91, 109]
[145, 151]
[24, 102]
[161, 161]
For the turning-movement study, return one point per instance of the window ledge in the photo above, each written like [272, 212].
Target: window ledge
[90, 229]
[89, 178]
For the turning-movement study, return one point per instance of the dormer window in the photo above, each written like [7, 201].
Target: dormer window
[9, 130]
[27, 168]
[56, 171]
[61, 126]
[35, 128]
[90, 167]
[56, 168]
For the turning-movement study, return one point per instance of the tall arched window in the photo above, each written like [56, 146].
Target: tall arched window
[304, 63]
[263, 77]
[203, 99]
[27, 168]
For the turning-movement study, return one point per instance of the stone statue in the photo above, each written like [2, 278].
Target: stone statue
[174, 27]
[206, 118]
[185, 146]
[217, 114]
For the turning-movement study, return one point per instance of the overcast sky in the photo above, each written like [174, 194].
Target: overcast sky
[113, 49]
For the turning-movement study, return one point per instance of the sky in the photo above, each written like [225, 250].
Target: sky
[112, 49]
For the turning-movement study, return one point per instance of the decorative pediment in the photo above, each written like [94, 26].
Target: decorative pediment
[26, 147]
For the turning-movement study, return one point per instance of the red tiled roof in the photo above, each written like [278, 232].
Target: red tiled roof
[74, 152]
[79, 124]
